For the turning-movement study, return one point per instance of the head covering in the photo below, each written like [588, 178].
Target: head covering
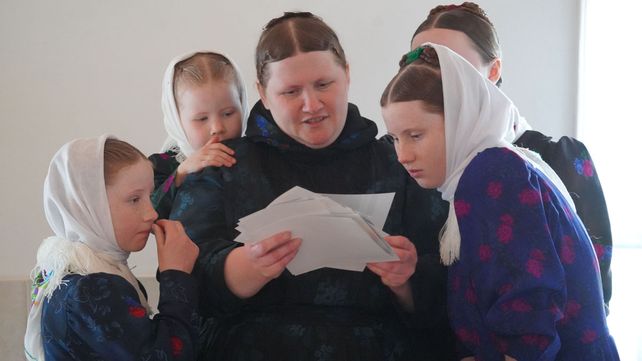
[176, 138]
[77, 210]
[478, 115]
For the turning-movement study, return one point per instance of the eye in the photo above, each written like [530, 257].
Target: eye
[201, 119]
[324, 84]
[134, 200]
[290, 92]
[416, 136]
[228, 113]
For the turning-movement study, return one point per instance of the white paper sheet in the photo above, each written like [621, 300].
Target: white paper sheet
[337, 230]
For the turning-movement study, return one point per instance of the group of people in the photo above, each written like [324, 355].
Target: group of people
[503, 238]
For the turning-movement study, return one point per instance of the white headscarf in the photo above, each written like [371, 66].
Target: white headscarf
[478, 115]
[77, 209]
[177, 139]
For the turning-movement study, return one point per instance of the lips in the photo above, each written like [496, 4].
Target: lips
[315, 120]
[414, 172]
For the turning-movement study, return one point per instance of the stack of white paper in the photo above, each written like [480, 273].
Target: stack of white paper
[337, 230]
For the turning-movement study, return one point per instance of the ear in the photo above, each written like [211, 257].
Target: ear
[348, 72]
[262, 95]
[495, 71]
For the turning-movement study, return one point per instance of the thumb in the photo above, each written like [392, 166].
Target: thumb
[213, 140]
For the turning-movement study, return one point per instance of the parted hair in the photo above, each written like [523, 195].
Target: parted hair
[118, 155]
[293, 33]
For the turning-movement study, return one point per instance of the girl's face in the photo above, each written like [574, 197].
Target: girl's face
[308, 96]
[420, 141]
[210, 110]
[130, 205]
[461, 44]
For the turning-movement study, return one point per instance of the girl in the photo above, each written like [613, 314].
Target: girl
[87, 305]
[204, 103]
[523, 277]
[469, 32]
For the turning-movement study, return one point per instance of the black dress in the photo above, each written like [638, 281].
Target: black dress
[572, 162]
[326, 314]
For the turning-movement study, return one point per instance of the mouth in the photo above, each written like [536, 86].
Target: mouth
[414, 172]
[315, 120]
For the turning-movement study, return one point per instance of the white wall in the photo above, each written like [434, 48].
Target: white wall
[80, 68]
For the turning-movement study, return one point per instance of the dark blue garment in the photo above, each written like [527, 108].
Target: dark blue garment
[527, 282]
[99, 317]
[573, 164]
[165, 165]
[326, 314]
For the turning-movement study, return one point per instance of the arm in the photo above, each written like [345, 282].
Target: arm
[104, 312]
[512, 277]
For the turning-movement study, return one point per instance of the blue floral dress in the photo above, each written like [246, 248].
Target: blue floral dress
[326, 314]
[99, 317]
[573, 164]
[165, 165]
[527, 282]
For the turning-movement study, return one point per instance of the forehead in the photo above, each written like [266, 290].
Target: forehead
[135, 175]
[303, 67]
[456, 40]
[401, 117]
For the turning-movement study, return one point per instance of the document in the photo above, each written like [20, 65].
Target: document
[341, 231]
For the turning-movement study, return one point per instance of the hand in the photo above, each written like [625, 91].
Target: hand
[176, 251]
[212, 153]
[270, 256]
[395, 274]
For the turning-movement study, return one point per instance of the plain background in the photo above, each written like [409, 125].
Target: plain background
[82, 68]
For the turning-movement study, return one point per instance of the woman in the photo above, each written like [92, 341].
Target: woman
[523, 278]
[467, 30]
[304, 133]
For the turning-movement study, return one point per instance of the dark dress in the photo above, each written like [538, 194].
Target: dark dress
[527, 281]
[327, 314]
[165, 165]
[99, 317]
[572, 162]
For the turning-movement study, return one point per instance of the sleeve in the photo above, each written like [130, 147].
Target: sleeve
[572, 162]
[509, 272]
[165, 166]
[105, 312]
[200, 206]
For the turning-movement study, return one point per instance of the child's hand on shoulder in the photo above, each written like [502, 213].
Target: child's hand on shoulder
[176, 251]
[213, 153]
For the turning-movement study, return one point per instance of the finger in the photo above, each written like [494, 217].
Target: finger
[290, 251]
[213, 140]
[266, 245]
[399, 242]
[276, 255]
[159, 234]
[221, 159]
[220, 147]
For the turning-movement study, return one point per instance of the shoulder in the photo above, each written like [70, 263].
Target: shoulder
[495, 163]
[97, 287]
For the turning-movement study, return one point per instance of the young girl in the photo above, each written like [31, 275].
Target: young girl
[87, 305]
[204, 103]
[467, 30]
[523, 275]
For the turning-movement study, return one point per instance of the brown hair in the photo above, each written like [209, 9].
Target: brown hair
[471, 20]
[292, 33]
[202, 68]
[419, 78]
[118, 155]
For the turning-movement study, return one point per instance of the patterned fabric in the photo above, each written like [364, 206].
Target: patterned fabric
[165, 165]
[325, 314]
[99, 317]
[527, 283]
[572, 162]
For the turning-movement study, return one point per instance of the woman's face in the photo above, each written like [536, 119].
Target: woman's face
[308, 96]
[458, 42]
[420, 141]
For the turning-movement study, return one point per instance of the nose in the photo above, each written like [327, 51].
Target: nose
[404, 152]
[311, 102]
[150, 214]
[217, 127]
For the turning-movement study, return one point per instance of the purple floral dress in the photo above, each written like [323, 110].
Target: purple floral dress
[527, 282]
